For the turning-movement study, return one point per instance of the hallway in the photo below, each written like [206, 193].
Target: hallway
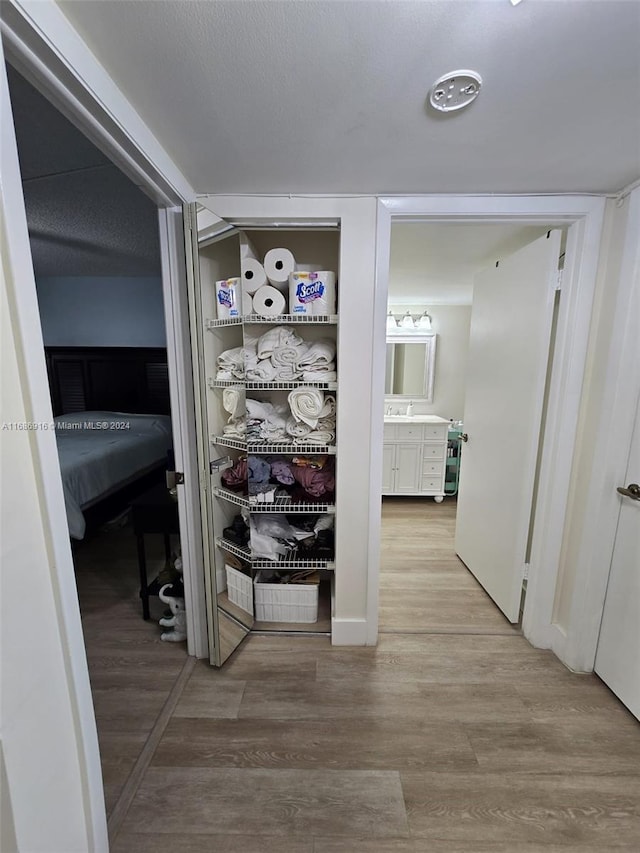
[459, 740]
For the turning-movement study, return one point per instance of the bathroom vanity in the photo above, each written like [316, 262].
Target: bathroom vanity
[414, 455]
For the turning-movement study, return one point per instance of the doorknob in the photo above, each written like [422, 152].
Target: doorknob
[632, 491]
[464, 437]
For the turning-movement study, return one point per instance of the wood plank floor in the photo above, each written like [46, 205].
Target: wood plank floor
[453, 735]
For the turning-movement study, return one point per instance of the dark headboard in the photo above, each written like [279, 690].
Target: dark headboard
[114, 379]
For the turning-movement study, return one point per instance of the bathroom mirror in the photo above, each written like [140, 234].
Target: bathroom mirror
[410, 366]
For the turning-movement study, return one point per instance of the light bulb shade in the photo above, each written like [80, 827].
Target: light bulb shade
[392, 323]
[424, 322]
[407, 321]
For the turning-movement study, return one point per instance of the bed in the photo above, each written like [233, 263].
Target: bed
[113, 428]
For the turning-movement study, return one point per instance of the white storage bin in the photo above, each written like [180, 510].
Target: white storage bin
[239, 589]
[286, 602]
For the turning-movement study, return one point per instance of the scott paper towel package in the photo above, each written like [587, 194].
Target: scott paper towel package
[312, 292]
[228, 298]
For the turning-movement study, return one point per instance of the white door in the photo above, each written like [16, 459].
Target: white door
[618, 654]
[511, 322]
[227, 624]
[388, 463]
[408, 468]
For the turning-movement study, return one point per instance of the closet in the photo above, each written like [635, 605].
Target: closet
[266, 418]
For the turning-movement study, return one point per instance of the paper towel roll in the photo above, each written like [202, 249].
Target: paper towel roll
[252, 274]
[228, 296]
[278, 263]
[269, 302]
[312, 292]
[247, 303]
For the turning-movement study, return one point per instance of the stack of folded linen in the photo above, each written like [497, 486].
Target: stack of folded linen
[266, 422]
[234, 363]
[233, 402]
[313, 417]
[300, 479]
[317, 363]
[282, 356]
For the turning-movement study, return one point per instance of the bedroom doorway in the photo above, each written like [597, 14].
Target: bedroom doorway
[99, 282]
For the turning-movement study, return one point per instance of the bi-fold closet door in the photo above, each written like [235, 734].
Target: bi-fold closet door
[236, 511]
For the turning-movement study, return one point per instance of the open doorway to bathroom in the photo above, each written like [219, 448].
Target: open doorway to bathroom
[460, 352]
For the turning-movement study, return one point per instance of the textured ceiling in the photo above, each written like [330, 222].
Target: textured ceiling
[85, 217]
[329, 97]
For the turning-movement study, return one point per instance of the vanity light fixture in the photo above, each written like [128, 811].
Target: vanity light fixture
[455, 90]
[424, 322]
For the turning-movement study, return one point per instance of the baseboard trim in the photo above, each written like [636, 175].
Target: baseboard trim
[348, 632]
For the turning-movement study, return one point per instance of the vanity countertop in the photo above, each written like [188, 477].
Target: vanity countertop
[414, 419]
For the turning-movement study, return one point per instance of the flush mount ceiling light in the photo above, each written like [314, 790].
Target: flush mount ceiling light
[455, 90]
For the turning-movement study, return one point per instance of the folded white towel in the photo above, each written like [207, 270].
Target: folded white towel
[233, 401]
[319, 352]
[237, 361]
[275, 338]
[317, 436]
[257, 410]
[296, 429]
[264, 371]
[319, 376]
[225, 376]
[285, 360]
[274, 428]
[308, 405]
[236, 428]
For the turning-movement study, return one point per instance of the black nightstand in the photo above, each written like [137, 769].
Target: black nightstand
[154, 511]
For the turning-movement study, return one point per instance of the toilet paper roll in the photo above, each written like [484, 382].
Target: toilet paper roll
[278, 263]
[312, 292]
[269, 302]
[252, 274]
[228, 298]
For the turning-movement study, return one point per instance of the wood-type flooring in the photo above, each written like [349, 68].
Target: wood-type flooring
[453, 735]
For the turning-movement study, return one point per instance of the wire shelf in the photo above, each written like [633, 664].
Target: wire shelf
[290, 507]
[231, 497]
[225, 441]
[236, 550]
[283, 505]
[293, 564]
[289, 449]
[226, 383]
[286, 386]
[326, 319]
[217, 324]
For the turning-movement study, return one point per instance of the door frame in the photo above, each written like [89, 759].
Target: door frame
[42, 45]
[585, 214]
[616, 416]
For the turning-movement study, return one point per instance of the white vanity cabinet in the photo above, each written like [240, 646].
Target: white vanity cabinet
[414, 456]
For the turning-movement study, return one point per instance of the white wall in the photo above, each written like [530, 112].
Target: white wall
[451, 323]
[39, 738]
[101, 311]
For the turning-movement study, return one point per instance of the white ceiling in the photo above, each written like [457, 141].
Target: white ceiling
[305, 96]
[435, 264]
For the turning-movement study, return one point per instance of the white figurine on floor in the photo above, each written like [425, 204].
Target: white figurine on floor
[179, 619]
